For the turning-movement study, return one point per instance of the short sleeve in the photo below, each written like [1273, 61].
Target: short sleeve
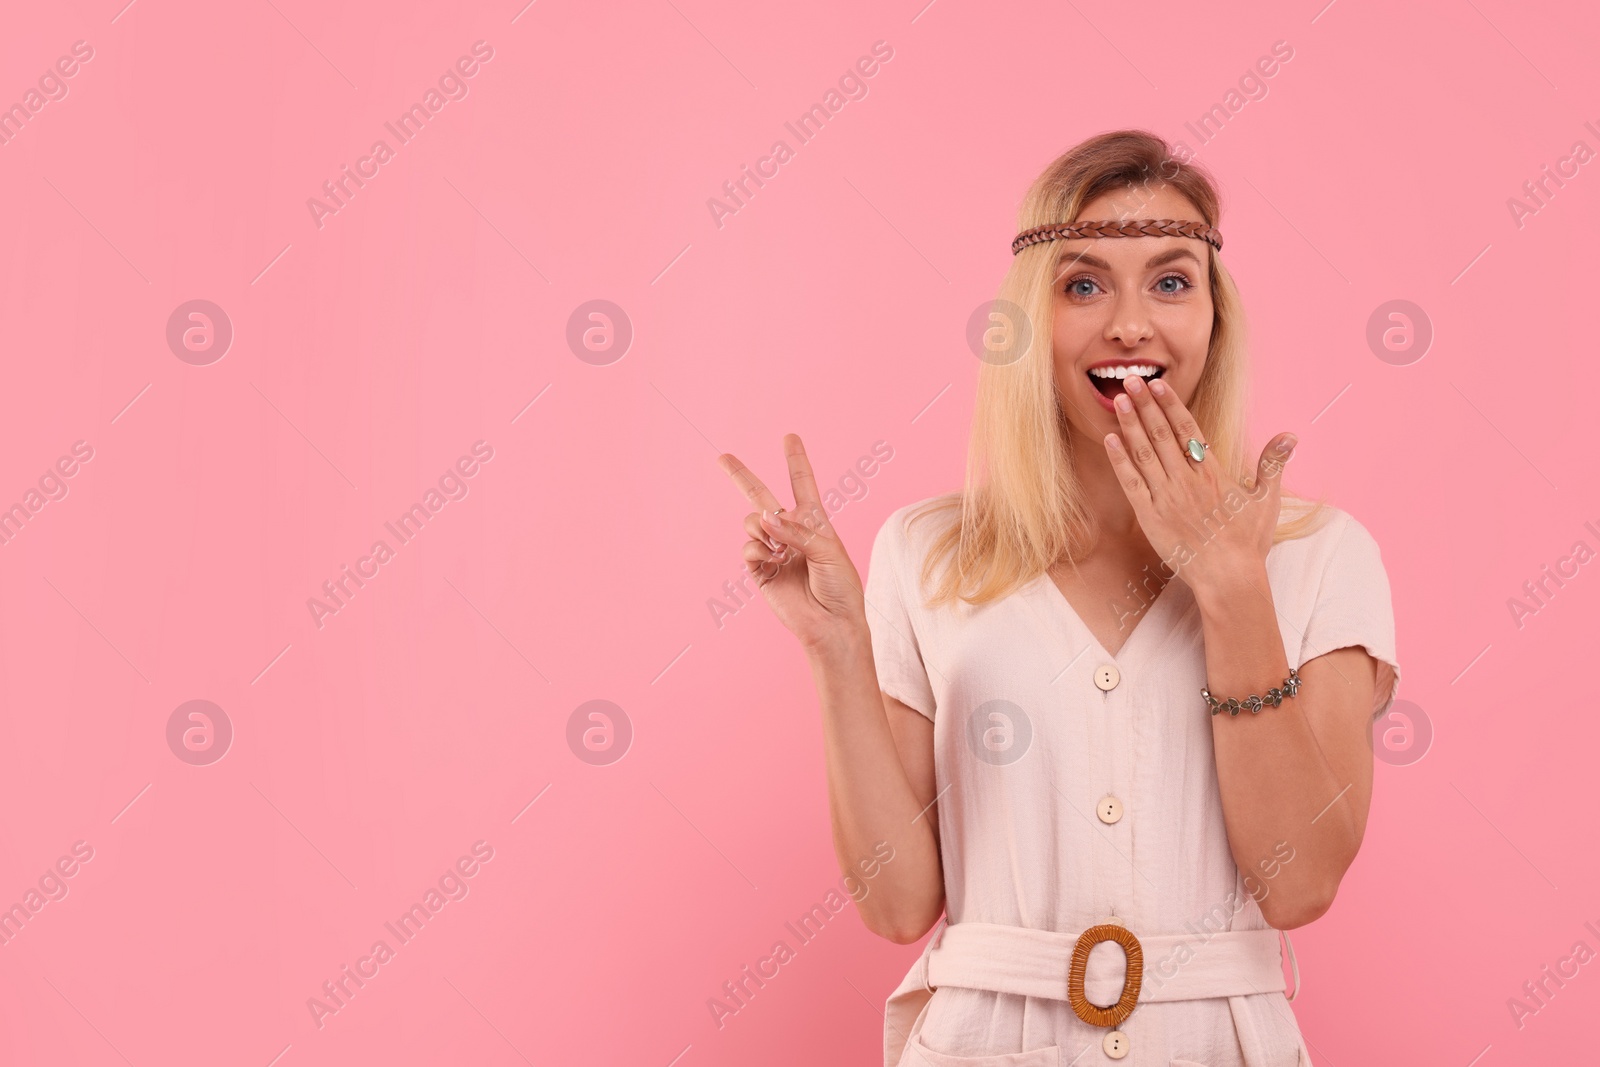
[1353, 607]
[896, 649]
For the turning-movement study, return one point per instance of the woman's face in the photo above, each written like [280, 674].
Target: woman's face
[1129, 302]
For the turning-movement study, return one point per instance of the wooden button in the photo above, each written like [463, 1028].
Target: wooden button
[1106, 676]
[1115, 1044]
[1109, 809]
[1114, 920]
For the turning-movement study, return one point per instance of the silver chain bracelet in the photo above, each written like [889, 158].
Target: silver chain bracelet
[1254, 704]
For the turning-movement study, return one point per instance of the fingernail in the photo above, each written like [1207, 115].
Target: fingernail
[1291, 441]
[1133, 383]
[1124, 405]
[769, 519]
[1158, 387]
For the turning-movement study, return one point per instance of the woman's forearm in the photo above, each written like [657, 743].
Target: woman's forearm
[871, 797]
[1275, 782]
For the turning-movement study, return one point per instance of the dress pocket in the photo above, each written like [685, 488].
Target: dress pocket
[920, 1055]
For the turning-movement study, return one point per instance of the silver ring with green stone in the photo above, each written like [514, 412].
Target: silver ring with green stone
[1196, 449]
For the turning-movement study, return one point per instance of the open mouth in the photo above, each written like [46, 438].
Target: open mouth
[1111, 379]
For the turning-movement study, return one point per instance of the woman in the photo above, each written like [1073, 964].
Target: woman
[1045, 725]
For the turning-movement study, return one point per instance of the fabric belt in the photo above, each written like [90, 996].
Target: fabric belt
[1034, 963]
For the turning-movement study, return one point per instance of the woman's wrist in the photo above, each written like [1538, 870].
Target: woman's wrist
[838, 643]
[1225, 581]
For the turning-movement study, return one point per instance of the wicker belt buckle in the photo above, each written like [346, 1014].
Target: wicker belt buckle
[1093, 1014]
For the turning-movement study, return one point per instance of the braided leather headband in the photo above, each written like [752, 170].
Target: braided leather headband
[1061, 231]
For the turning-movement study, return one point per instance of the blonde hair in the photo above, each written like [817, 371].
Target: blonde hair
[1021, 508]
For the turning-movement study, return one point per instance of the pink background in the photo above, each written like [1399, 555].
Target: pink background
[426, 315]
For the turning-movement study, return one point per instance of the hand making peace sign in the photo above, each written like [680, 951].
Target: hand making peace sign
[797, 557]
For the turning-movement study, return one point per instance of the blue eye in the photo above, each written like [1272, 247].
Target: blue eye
[1084, 279]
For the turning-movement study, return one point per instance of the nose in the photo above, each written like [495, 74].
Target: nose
[1130, 319]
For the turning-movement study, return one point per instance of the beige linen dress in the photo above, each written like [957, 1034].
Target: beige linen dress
[1022, 838]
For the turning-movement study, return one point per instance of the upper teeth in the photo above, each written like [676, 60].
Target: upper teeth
[1143, 370]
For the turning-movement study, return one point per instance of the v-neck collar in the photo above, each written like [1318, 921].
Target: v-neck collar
[1158, 606]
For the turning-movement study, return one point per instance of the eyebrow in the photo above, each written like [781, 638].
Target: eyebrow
[1155, 261]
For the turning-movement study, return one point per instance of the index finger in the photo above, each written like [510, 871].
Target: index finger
[754, 488]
